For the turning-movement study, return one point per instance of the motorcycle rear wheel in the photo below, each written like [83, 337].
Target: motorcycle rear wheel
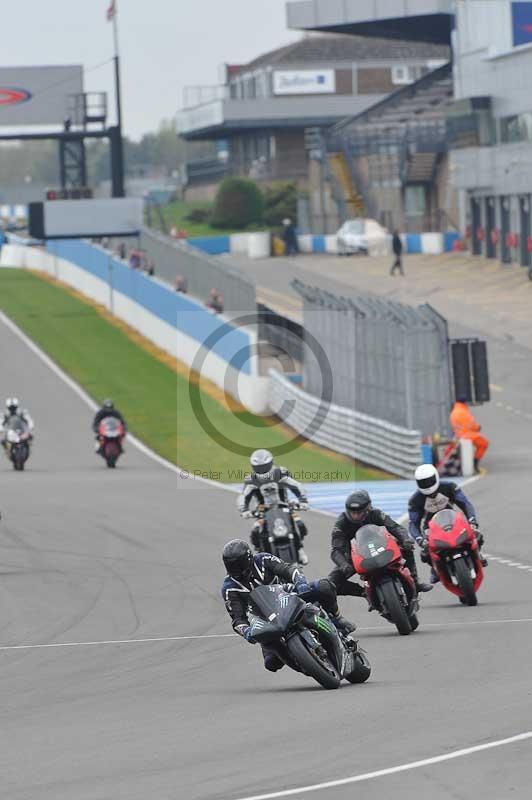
[465, 582]
[298, 649]
[395, 608]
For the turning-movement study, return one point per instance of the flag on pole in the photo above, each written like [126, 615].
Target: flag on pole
[111, 11]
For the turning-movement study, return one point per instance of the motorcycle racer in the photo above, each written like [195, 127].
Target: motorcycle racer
[246, 571]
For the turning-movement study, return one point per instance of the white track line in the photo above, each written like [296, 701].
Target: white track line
[381, 773]
[193, 637]
[118, 641]
[87, 399]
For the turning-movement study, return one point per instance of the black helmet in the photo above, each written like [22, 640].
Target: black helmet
[238, 559]
[108, 404]
[261, 462]
[357, 505]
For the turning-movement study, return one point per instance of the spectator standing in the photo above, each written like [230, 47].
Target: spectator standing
[290, 238]
[215, 301]
[134, 259]
[181, 284]
[397, 247]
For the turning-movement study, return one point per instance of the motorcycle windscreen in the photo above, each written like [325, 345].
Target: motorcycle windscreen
[278, 608]
[110, 427]
[371, 543]
[278, 523]
[453, 524]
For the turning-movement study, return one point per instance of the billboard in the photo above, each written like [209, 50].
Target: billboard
[74, 219]
[522, 23]
[304, 81]
[37, 95]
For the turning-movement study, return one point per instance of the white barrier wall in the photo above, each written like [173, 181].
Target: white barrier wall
[181, 333]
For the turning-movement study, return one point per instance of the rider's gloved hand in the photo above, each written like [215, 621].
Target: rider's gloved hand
[407, 546]
[347, 570]
[245, 632]
[247, 514]
[304, 505]
[301, 586]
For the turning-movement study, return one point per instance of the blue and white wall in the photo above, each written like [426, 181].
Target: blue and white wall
[174, 322]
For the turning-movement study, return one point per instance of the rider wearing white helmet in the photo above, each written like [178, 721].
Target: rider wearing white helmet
[13, 409]
[435, 495]
[263, 470]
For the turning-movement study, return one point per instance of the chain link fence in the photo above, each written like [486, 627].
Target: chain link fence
[201, 272]
[389, 360]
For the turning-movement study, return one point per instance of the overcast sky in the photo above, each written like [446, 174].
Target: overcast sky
[165, 44]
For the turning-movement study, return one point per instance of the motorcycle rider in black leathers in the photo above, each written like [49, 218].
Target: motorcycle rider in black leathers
[107, 410]
[246, 571]
[434, 495]
[13, 409]
[359, 512]
[264, 471]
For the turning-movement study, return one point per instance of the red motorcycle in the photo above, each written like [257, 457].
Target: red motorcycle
[390, 588]
[453, 550]
[111, 432]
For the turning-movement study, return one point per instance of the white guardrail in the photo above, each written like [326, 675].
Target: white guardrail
[373, 441]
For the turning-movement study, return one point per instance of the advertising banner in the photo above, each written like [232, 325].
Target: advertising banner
[522, 23]
[37, 95]
[305, 81]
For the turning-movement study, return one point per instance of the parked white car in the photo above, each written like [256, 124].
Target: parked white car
[361, 236]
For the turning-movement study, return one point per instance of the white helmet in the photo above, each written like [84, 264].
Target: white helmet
[12, 405]
[427, 479]
[261, 461]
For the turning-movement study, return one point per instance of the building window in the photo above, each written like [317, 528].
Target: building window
[403, 74]
[517, 128]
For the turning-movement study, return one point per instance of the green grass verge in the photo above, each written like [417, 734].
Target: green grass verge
[174, 214]
[154, 399]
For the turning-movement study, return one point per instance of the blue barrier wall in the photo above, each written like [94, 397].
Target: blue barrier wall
[185, 315]
[213, 245]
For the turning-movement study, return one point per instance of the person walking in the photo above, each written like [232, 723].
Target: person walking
[397, 247]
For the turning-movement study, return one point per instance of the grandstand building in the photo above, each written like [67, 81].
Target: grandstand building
[259, 115]
[480, 140]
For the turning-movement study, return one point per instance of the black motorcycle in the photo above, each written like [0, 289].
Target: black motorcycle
[17, 442]
[303, 636]
[279, 535]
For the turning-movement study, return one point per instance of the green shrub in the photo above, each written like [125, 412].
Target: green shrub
[280, 201]
[239, 203]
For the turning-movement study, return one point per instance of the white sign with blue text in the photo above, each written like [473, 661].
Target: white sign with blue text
[305, 81]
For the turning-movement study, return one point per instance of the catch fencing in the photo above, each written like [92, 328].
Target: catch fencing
[388, 360]
[373, 441]
[201, 272]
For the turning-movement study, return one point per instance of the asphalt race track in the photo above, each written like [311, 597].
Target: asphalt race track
[93, 555]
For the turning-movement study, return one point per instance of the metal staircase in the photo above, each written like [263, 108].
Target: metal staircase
[354, 202]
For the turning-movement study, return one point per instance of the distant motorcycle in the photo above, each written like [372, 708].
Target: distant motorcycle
[303, 636]
[111, 432]
[390, 588]
[17, 441]
[454, 553]
[278, 532]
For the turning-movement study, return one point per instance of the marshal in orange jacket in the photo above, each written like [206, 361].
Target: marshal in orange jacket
[465, 426]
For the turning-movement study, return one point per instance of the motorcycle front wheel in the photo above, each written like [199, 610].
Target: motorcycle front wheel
[323, 672]
[394, 607]
[465, 581]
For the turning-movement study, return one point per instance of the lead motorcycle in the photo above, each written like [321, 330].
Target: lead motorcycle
[304, 637]
[111, 432]
[454, 554]
[17, 442]
[279, 535]
[390, 588]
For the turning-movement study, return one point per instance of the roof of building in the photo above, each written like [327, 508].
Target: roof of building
[329, 47]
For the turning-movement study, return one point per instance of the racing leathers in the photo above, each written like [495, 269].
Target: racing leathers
[421, 509]
[345, 530]
[286, 484]
[268, 569]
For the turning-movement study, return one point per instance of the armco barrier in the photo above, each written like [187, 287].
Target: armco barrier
[373, 441]
[173, 321]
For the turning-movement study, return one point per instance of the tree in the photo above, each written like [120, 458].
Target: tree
[239, 203]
